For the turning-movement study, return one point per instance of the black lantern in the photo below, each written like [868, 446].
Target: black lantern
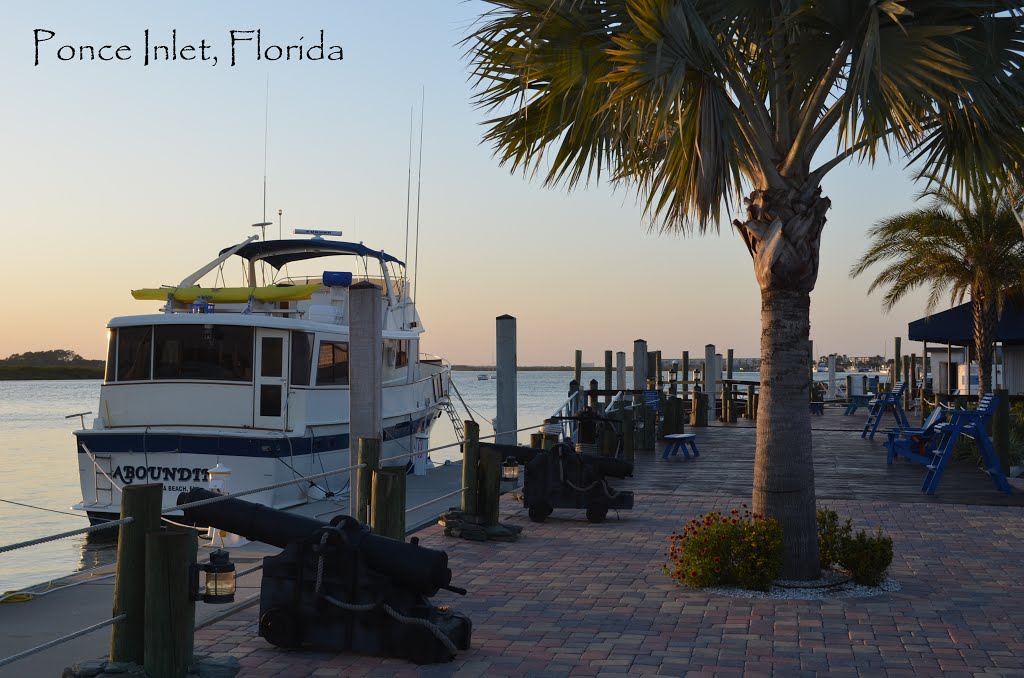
[220, 578]
[510, 470]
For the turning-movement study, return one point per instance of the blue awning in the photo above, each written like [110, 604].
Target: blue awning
[956, 326]
[277, 253]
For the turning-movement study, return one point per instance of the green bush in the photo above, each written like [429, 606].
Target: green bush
[831, 534]
[757, 558]
[717, 550]
[866, 557]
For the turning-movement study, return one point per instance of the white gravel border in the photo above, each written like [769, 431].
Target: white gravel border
[792, 591]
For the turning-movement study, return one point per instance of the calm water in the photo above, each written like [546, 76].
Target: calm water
[39, 465]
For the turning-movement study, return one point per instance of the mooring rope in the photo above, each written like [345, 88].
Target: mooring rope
[63, 535]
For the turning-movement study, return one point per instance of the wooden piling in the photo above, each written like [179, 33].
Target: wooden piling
[658, 380]
[489, 479]
[142, 504]
[168, 623]
[639, 367]
[607, 377]
[685, 367]
[507, 418]
[369, 458]
[750, 402]
[470, 461]
[365, 367]
[387, 515]
[620, 371]
[592, 396]
[577, 369]
[628, 435]
[537, 441]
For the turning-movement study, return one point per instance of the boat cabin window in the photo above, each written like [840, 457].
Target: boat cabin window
[332, 364]
[134, 350]
[203, 352]
[396, 352]
[302, 357]
[197, 352]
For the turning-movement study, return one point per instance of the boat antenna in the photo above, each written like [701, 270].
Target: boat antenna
[408, 190]
[419, 184]
[266, 128]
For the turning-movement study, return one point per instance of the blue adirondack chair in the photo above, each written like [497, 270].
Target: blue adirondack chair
[973, 424]
[886, 402]
[916, 444]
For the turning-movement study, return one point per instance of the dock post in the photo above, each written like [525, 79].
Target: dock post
[168, 624]
[1001, 429]
[620, 372]
[651, 383]
[912, 386]
[751, 410]
[365, 369]
[470, 461]
[628, 435]
[639, 368]
[729, 414]
[537, 441]
[507, 421]
[849, 387]
[650, 432]
[369, 459]
[711, 377]
[607, 377]
[685, 367]
[658, 381]
[387, 515]
[592, 396]
[673, 379]
[814, 366]
[897, 369]
[577, 366]
[141, 503]
[490, 486]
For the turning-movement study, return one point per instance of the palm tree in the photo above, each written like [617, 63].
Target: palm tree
[695, 102]
[959, 244]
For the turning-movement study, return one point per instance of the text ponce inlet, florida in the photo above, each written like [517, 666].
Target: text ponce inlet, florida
[158, 47]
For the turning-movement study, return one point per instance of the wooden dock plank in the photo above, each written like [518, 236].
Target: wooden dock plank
[845, 467]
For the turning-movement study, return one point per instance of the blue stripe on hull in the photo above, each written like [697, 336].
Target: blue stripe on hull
[108, 442]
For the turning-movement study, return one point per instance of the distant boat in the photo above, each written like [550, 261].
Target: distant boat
[482, 377]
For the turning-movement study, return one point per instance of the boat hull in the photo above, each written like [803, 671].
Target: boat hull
[181, 461]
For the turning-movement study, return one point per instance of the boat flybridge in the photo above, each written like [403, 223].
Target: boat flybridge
[250, 383]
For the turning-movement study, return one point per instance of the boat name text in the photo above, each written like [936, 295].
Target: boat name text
[246, 45]
[180, 474]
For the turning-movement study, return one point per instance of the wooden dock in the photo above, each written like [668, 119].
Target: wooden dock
[846, 466]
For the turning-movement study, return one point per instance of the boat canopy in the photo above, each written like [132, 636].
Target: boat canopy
[277, 253]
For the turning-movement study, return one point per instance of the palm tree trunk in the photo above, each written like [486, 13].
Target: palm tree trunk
[783, 234]
[986, 317]
[783, 461]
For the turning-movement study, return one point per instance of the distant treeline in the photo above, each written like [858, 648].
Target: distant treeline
[55, 364]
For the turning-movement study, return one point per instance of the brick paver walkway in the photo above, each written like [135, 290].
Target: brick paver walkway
[576, 599]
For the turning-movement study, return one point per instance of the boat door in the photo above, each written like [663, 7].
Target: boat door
[270, 405]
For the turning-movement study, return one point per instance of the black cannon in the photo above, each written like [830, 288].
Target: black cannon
[563, 478]
[340, 586]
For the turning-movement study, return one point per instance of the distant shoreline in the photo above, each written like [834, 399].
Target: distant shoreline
[54, 372]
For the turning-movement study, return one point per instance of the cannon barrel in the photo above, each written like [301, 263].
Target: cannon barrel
[609, 466]
[419, 568]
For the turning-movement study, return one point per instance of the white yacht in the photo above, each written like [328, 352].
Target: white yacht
[254, 378]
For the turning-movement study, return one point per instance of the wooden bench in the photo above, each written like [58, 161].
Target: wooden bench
[677, 442]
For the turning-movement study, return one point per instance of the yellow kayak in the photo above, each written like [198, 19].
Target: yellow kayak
[227, 295]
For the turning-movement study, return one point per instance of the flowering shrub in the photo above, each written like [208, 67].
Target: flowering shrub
[831, 534]
[716, 550]
[867, 558]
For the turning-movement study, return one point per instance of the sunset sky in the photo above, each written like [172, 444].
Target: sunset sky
[119, 175]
